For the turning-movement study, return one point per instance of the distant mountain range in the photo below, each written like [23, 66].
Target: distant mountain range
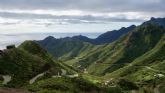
[78, 43]
[119, 53]
[107, 37]
[68, 44]
[111, 36]
[134, 53]
[131, 62]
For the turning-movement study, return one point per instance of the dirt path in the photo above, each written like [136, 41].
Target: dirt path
[11, 90]
[152, 69]
[35, 78]
[63, 72]
[156, 89]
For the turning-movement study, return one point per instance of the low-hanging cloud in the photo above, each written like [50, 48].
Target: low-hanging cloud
[70, 19]
[86, 5]
[87, 11]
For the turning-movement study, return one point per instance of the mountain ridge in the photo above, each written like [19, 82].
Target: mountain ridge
[134, 63]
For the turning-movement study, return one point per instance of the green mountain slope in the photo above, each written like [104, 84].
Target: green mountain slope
[135, 63]
[66, 48]
[34, 49]
[152, 60]
[20, 65]
[110, 57]
[67, 85]
[27, 61]
[145, 67]
[148, 70]
[102, 59]
[30, 60]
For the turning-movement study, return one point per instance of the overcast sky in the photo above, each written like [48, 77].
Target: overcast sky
[22, 16]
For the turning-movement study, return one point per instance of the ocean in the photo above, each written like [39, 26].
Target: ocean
[17, 39]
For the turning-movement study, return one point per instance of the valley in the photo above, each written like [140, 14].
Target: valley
[133, 61]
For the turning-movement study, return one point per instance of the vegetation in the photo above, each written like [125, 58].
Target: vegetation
[65, 85]
[134, 63]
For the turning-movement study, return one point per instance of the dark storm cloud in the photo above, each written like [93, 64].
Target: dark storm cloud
[87, 5]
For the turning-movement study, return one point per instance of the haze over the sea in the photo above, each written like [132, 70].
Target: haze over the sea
[16, 39]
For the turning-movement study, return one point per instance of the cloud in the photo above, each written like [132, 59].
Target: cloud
[80, 11]
[86, 5]
[64, 19]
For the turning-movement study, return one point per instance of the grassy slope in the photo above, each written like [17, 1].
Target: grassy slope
[153, 58]
[66, 48]
[20, 65]
[141, 40]
[70, 85]
[35, 49]
[100, 54]
[108, 58]
[26, 61]
[144, 68]
[141, 71]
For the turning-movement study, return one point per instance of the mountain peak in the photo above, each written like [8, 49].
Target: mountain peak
[158, 21]
[133, 26]
[111, 36]
[79, 37]
[33, 48]
[152, 18]
[49, 38]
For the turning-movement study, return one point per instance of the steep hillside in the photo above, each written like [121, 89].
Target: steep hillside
[21, 65]
[134, 63]
[67, 85]
[111, 57]
[147, 70]
[29, 61]
[35, 49]
[65, 48]
[25, 62]
[107, 37]
[158, 21]
[70, 47]
[111, 36]
[108, 57]
[152, 60]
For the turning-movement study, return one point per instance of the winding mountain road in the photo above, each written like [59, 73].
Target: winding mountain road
[36, 77]
[6, 79]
